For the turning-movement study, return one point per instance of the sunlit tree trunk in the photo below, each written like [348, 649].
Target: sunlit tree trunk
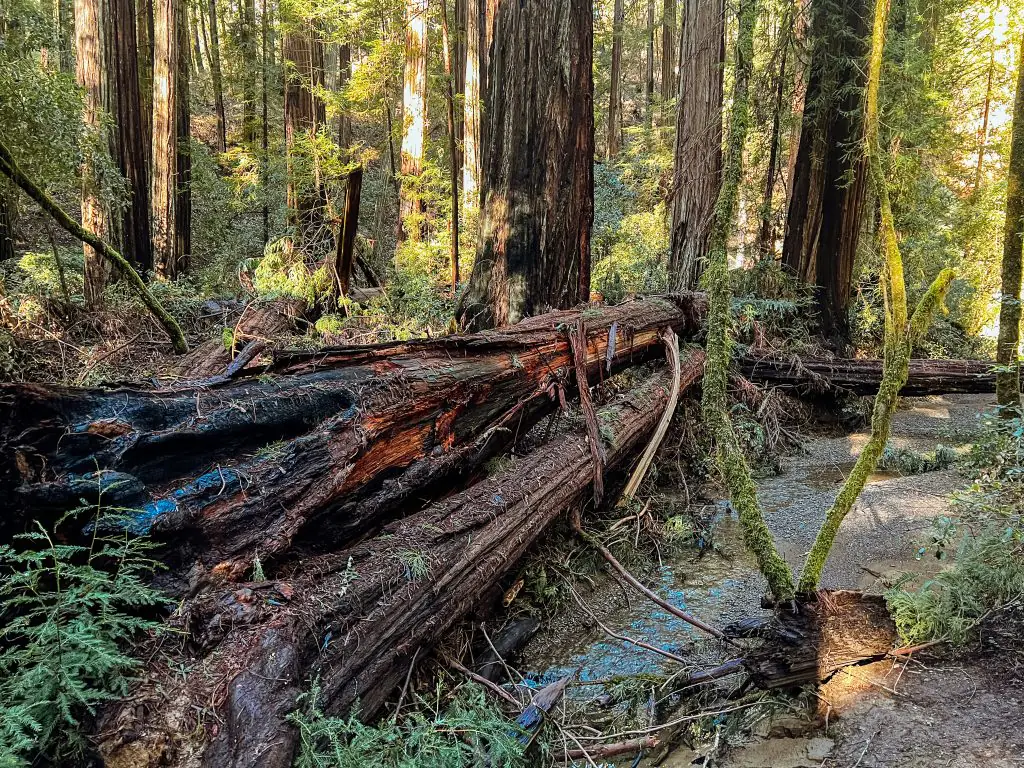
[414, 118]
[91, 23]
[538, 182]
[217, 78]
[171, 160]
[264, 122]
[194, 17]
[132, 143]
[668, 50]
[826, 206]
[987, 105]
[1008, 349]
[615, 97]
[698, 155]
[475, 11]
[304, 116]
[801, 9]
[453, 140]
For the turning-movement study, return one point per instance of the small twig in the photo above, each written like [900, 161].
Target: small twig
[497, 690]
[625, 638]
[405, 686]
[618, 748]
[866, 746]
[671, 723]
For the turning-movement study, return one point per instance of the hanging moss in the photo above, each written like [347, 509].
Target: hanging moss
[900, 334]
[733, 466]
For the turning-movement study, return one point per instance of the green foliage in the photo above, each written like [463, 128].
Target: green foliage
[907, 461]
[455, 728]
[417, 567]
[987, 534]
[68, 612]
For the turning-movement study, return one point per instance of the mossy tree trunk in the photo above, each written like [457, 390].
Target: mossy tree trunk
[729, 454]
[900, 331]
[1008, 350]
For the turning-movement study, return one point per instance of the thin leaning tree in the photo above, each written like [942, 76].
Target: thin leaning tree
[902, 329]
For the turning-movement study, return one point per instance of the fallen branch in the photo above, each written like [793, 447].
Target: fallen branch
[612, 750]
[11, 170]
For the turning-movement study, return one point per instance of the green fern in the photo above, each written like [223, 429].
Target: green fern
[66, 614]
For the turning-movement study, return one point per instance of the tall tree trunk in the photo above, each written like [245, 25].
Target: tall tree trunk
[304, 115]
[766, 236]
[453, 141]
[698, 155]
[615, 97]
[171, 162]
[91, 26]
[668, 50]
[826, 207]
[801, 9]
[132, 143]
[66, 34]
[344, 77]
[538, 179]
[247, 47]
[475, 11]
[649, 75]
[264, 122]
[414, 118]
[194, 17]
[6, 223]
[217, 78]
[986, 107]
[1008, 349]
[144, 34]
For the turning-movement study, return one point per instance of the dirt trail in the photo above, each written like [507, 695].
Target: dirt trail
[950, 710]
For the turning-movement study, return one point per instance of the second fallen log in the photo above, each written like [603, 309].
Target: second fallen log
[357, 619]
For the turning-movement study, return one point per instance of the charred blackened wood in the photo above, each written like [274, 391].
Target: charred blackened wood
[321, 448]
[355, 619]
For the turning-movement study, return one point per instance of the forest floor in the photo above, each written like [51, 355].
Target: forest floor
[943, 708]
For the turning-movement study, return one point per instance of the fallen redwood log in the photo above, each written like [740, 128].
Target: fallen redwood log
[322, 448]
[862, 377]
[358, 619]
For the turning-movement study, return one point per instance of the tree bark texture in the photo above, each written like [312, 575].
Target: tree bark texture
[414, 118]
[131, 140]
[698, 155]
[91, 73]
[669, 28]
[171, 163]
[1008, 345]
[830, 179]
[336, 443]
[250, 53]
[356, 618]
[534, 248]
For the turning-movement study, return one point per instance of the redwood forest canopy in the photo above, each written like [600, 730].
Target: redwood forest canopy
[293, 293]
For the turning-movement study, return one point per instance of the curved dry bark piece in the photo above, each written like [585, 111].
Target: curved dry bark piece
[325, 446]
[354, 619]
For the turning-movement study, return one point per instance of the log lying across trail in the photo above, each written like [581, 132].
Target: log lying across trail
[358, 618]
[862, 377]
[325, 445]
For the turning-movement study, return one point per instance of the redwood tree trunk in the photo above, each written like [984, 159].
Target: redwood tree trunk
[249, 50]
[475, 11]
[668, 49]
[826, 207]
[698, 156]
[131, 140]
[91, 72]
[171, 162]
[218, 82]
[414, 117]
[538, 182]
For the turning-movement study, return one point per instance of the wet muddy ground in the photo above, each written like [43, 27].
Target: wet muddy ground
[954, 710]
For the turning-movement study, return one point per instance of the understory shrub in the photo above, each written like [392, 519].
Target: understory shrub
[67, 614]
[986, 532]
